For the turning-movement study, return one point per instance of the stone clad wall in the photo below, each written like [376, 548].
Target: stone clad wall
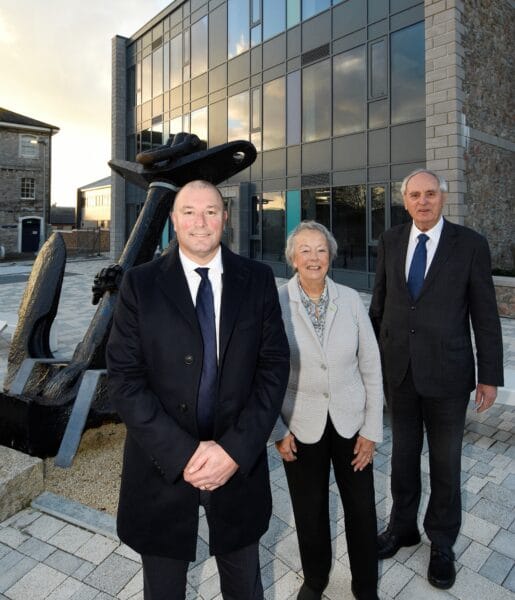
[488, 108]
[469, 114]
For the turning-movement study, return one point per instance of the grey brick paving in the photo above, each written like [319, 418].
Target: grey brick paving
[113, 574]
[496, 567]
[68, 563]
[65, 558]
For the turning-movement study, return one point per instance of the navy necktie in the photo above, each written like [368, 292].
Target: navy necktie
[417, 270]
[206, 400]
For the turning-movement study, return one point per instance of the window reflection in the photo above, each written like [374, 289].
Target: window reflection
[199, 123]
[238, 117]
[199, 47]
[316, 206]
[274, 114]
[349, 91]
[273, 226]
[175, 125]
[176, 61]
[292, 12]
[256, 11]
[398, 214]
[166, 66]
[157, 132]
[349, 226]
[312, 7]
[407, 77]
[316, 90]
[255, 36]
[274, 18]
[146, 78]
[294, 109]
[377, 214]
[378, 114]
[157, 72]
[256, 109]
[378, 69]
[238, 27]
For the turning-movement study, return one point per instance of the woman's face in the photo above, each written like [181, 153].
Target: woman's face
[311, 256]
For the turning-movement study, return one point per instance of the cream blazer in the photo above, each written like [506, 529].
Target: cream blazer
[341, 378]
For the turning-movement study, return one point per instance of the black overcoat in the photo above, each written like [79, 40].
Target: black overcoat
[154, 358]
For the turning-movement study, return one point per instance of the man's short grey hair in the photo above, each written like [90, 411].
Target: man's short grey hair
[442, 183]
[332, 244]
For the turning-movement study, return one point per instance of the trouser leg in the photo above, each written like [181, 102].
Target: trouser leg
[308, 482]
[240, 576]
[407, 440]
[445, 422]
[358, 499]
[164, 578]
[239, 571]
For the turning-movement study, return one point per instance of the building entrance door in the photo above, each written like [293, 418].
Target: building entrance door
[30, 234]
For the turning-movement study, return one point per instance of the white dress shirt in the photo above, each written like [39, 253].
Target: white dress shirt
[431, 245]
[216, 269]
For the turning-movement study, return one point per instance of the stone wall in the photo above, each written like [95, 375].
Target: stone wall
[488, 108]
[12, 169]
[505, 294]
[489, 198]
[84, 241]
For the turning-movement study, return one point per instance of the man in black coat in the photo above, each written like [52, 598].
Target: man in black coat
[433, 279]
[189, 442]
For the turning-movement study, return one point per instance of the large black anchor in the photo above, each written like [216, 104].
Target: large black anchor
[44, 397]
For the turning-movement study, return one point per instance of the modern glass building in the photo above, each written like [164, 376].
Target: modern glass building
[334, 95]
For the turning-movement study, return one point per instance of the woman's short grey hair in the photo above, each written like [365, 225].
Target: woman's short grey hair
[442, 184]
[310, 226]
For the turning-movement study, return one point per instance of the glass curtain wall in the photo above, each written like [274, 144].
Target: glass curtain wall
[353, 107]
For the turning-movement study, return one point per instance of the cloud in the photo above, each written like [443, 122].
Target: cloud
[56, 67]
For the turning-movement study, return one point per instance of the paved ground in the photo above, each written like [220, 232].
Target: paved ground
[57, 550]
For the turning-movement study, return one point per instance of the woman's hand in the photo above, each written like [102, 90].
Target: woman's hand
[363, 453]
[287, 448]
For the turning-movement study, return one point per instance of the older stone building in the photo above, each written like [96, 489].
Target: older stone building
[25, 165]
[342, 98]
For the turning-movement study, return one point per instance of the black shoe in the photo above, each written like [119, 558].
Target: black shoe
[306, 593]
[358, 596]
[388, 543]
[441, 572]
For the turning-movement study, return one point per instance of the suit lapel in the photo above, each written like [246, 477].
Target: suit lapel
[443, 251]
[172, 282]
[400, 258]
[234, 287]
[301, 312]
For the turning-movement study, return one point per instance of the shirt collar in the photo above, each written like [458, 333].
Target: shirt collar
[433, 233]
[189, 265]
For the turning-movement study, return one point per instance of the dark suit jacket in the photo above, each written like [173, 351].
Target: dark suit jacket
[154, 358]
[433, 332]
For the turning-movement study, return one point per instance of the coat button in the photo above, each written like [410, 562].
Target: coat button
[323, 367]
[412, 307]
[412, 331]
[326, 395]
[188, 359]
[183, 407]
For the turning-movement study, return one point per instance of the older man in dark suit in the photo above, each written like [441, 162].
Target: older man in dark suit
[433, 279]
[198, 364]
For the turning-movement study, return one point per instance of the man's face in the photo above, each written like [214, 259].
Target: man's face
[198, 217]
[424, 201]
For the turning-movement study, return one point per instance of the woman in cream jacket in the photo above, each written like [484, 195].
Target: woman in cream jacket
[332, 412]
